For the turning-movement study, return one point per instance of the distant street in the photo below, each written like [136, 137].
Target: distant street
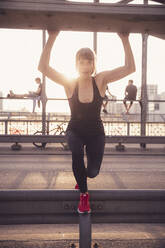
[119, 171]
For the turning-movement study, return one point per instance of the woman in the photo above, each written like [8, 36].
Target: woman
[85, 95]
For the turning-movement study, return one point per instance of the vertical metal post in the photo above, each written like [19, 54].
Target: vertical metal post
[95, 42]
[6, 126]
[95, 35]
[128, 128]
[85, 230]
[43, 96]
[144, 100]
[145, 2]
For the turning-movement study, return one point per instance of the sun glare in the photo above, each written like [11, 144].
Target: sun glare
[21, 49]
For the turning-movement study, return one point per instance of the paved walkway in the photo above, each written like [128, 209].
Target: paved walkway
[22, 171]
[62, 236]
[31, 168]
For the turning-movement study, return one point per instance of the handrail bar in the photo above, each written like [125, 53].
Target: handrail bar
[61, 138]
[65, 99]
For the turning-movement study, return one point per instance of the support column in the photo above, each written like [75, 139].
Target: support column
[43, 96]
[144, 98]
[95, 42]
[85, 231]
[95, 35]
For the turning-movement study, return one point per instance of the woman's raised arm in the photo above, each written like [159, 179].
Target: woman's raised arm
[106, 77]
[44, 66]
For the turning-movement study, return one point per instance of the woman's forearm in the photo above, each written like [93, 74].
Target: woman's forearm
[45, 56]
[129, 58]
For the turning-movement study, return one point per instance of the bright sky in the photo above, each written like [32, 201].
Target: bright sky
[20, 52]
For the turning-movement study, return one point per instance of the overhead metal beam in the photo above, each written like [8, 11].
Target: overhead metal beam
[60, 206]
[93, 17]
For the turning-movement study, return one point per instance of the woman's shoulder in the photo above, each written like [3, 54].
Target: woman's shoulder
[99, 77]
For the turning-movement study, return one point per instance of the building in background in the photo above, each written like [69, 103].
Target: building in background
[156, 107]
[152, 92]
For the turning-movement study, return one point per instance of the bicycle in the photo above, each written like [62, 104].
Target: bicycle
[59, 130]
[13, 130]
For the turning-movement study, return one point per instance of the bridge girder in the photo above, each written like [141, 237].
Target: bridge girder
[93, 17]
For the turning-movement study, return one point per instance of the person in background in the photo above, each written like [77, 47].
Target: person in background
[130, 95]
[108, 96]
[35, 95]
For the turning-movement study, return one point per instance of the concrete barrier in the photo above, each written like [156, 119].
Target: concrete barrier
[60, 206]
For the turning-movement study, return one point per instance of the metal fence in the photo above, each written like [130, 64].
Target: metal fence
[56, 127]
[116, 123]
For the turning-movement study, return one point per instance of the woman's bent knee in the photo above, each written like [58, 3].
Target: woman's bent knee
[93, 173]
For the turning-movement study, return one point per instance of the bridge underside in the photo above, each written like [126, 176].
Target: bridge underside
[99, 17]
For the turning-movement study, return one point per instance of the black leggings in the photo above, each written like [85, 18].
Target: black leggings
[94, 151]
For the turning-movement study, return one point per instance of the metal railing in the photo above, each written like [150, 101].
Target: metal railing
[138, 127]
[118, 128]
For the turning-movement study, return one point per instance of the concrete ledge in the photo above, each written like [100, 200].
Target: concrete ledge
[60, 206]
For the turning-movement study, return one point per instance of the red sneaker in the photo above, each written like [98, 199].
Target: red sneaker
[76, 186]
[84, 206]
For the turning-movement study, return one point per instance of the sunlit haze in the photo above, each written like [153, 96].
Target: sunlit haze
[20, 51]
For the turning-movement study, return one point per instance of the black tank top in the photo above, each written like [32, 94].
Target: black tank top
[85, 117]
